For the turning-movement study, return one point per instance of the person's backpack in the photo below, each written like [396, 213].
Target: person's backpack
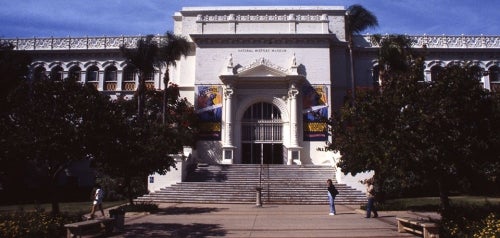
[335, 192]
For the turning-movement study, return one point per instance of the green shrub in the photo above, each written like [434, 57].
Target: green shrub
[34, 224]
[465, 220]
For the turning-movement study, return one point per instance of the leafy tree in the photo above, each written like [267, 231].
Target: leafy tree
[145, 147]
[415, 132]
[53, 123]
[358, 19]
[14, 69]
[171, 49]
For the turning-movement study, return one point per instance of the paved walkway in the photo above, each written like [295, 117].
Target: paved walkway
[246, 220]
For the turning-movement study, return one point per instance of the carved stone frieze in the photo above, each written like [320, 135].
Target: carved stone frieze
[261, 18]
[262, 61]
[70, 43]
[443, 41]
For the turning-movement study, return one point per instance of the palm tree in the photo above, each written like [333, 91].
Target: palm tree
[358, 19]
[396, 56]
[144, 57]
[171, 49]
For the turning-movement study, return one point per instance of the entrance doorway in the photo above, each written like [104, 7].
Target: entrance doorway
[261, 137]
[262, 153]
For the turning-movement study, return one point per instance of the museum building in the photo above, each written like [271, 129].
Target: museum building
[262, 79]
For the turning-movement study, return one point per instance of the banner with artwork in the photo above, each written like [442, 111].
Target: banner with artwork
[315, 112]
[208, 105]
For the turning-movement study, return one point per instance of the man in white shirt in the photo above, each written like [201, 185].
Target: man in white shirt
[98, 196]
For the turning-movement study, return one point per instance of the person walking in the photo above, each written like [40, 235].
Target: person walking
[370, 195]
[332, 193]
[97, 203]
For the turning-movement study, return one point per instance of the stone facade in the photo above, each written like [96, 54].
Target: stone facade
[261, 78]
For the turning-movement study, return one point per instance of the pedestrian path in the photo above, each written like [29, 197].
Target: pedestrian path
[246, 220]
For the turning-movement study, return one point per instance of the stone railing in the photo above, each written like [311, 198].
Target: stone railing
[76, 43]
[443, 41]
[87, 43]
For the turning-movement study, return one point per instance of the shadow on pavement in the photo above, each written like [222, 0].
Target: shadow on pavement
[172, 230]
[187, 210]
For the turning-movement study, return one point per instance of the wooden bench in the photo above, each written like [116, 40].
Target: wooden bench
[426, 229]
[78, 229]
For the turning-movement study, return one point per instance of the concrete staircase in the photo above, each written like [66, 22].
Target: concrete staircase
[281, 184]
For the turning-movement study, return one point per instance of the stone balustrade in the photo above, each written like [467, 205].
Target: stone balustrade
[76, 43]
[443, 41]
[99, 43]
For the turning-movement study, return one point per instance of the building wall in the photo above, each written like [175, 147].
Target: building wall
[231, 41]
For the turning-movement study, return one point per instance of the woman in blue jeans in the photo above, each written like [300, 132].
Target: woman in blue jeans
[332, 192]
[370, 194]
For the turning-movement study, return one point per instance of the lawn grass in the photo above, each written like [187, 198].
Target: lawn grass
[432, 203]
[66, 207]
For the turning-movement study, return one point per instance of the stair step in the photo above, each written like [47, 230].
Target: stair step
[281, 184]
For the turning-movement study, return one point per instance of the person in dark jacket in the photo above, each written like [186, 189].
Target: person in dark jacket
[332, 193]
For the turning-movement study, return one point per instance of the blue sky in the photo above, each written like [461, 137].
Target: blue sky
[61, 18]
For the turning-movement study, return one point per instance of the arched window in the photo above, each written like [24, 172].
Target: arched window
[39, 73]
[262, 122]
[150, 80]
[262, 111]
[110, 74]
[75, 72]
[129, 75]
[56, 74]
[477, 72]
[435, 71]
[494, 73]
[92, 74]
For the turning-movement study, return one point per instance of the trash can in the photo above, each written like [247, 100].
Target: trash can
[258, 198]
[119, 216]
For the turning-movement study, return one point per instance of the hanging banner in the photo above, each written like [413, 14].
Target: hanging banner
[315, 112]
[208, 105]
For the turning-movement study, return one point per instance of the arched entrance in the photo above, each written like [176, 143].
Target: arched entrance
[261, 135]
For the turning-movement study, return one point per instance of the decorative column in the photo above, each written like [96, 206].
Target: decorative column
[292, 95]
[228, 93]
[227, 147]
[293, 149]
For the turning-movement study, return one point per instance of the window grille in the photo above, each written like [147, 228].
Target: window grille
[262, 123]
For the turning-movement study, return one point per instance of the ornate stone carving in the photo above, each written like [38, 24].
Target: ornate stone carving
[69, 43]
[228, 92]
[444, 41]
[262, 61]
[261, 18]
[293, 92]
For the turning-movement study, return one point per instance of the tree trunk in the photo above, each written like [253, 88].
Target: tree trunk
[54, 199]
[140, 95]
[128, 183]
[54, 193]
[353, 87]
[443, 196]
[166, 79]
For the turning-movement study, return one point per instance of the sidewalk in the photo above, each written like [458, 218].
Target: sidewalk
[246, 220]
